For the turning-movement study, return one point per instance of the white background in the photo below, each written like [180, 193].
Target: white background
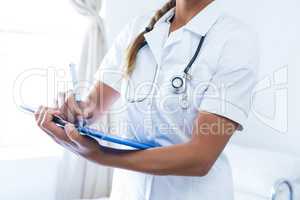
[34, 35]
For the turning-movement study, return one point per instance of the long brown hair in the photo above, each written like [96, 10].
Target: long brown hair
[134, 48]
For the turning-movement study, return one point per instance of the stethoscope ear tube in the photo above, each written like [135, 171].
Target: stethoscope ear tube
[188, 67]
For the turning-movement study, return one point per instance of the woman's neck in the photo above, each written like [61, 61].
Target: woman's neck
[186, 10]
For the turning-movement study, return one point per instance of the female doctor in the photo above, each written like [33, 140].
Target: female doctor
[187, 77]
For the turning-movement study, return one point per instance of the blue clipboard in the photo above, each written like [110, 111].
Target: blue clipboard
[98, 134]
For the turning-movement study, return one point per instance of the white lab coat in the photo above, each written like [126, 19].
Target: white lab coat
[223, 77]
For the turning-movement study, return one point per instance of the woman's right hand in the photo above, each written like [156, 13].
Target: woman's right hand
[89, 110]
[70, 109]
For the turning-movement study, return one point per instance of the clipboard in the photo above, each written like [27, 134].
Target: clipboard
[96, 134]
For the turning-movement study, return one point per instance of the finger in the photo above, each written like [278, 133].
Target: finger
[47, 121]
[37, 113]
[68, 115]
[73, 134]
[60, 101]
[86, 114]
[84, 142]
[47, 118]
[41, 116]
[51, 128]
[87, 111]
[64, 107]
[71, 108]
[62, 139]
[49, 114]
[73, 104]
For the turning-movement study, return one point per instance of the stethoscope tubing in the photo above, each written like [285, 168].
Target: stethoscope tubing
[185, 75]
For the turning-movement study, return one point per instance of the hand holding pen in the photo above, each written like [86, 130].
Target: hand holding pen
[63, 123]
[70, 104]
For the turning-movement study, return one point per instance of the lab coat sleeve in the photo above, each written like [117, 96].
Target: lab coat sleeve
[111, 70]
[229, 92]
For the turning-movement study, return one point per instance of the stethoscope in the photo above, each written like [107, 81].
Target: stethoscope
[178, 82]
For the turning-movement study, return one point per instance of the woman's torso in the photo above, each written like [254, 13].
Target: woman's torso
[161, 119]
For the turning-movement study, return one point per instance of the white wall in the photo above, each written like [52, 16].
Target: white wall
[277, 23]
[278, 27]
[118, 13]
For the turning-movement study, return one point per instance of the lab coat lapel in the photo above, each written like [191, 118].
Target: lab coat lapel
[174, 38]
[156, 39]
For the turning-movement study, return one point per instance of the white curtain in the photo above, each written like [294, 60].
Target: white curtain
[94, 46]
[77, 177]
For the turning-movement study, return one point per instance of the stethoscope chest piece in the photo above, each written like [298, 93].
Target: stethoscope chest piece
[178, 84]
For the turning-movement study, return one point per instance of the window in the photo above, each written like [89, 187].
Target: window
[38, 39]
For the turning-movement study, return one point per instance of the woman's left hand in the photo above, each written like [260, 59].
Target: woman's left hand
[68, 137]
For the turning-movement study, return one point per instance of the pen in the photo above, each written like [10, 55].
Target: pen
[56, 119]
[72, 67]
